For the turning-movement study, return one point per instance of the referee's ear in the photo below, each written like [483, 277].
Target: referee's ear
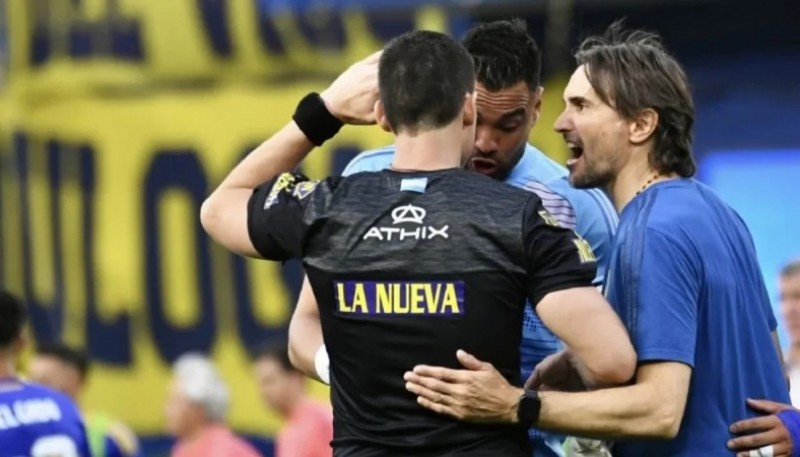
[470, 108]
[380, 116]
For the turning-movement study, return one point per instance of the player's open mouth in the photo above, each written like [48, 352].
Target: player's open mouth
[483, 166]
[577, 152]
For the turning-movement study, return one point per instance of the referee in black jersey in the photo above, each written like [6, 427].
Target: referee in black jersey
[411, 264]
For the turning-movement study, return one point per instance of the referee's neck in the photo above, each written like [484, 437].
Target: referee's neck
[429, 149]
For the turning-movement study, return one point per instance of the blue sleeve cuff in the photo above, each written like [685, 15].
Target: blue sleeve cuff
[665, 355]
[791, 420]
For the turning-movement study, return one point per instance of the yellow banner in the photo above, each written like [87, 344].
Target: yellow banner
[69, 45]
[100, 202]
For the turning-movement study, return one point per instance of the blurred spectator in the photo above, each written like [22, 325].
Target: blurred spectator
[35, 420]
[195, 411]
[66, 369]
[308, 429]
[790, 309]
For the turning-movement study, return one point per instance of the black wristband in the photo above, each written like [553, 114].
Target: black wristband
[314, 119]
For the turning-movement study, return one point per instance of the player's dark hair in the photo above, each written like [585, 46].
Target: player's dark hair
[631, 72]
[70, 356]
[423, 77]
[504, 54]
[790, 269]
[13, 317]
[275, 350]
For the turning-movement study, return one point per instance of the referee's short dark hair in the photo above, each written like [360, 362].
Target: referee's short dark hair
[75, 358]
[504, 54]
[13, 317]
[423, 77]
[278, 351]
[631, 71]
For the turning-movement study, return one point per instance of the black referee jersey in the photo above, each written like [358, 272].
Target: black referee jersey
[407, 268]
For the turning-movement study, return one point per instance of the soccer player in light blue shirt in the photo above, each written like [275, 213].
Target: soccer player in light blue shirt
[34, 420]
[509, 96]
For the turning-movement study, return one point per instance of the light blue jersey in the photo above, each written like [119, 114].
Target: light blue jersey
[39, 422]
[588, 212]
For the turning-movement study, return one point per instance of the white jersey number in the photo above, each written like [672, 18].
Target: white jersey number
[55, 446]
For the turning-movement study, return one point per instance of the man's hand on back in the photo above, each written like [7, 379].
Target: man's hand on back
[478, 393]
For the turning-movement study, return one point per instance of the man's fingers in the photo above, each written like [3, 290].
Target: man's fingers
[422, 391]
[783, 449]
[766, 406]
[444, 374]
[438, 407]
[534, 380]
[779, 450]
[754, 425]
[435, 385]
[754, 441]
[432, 395]
[469, 361]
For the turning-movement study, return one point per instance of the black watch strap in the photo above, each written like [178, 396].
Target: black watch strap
[529, 407]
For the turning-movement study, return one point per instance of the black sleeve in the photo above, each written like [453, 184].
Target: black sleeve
[558, 258]
[276, 214]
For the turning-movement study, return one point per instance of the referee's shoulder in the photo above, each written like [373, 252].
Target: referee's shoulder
[370, 160]
[486, 189]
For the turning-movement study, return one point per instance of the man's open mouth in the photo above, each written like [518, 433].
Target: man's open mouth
[483, 166]
[576, 152]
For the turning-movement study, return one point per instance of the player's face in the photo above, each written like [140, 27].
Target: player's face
[596, 135]
[790, 305]
[53, 373]
[505, 120]
[278, 387]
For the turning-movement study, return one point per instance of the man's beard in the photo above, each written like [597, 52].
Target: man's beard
[591, 176]
[501, 173]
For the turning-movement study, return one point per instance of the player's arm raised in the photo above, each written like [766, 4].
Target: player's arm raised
[351, 98]
[562, 269]
[224, 213]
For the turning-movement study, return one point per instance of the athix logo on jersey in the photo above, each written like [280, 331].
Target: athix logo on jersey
[401, 298]
[407, 214]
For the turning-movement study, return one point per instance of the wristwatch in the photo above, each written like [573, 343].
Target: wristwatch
[528, 408]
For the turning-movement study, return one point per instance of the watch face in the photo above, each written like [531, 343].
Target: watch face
[529, 407]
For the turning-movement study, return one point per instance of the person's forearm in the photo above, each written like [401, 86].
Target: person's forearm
[585, 376]
[281, 153]
[223, 214]
[631, 411]
[305, 339]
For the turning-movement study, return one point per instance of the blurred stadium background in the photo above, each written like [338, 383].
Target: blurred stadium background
[118, 116]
